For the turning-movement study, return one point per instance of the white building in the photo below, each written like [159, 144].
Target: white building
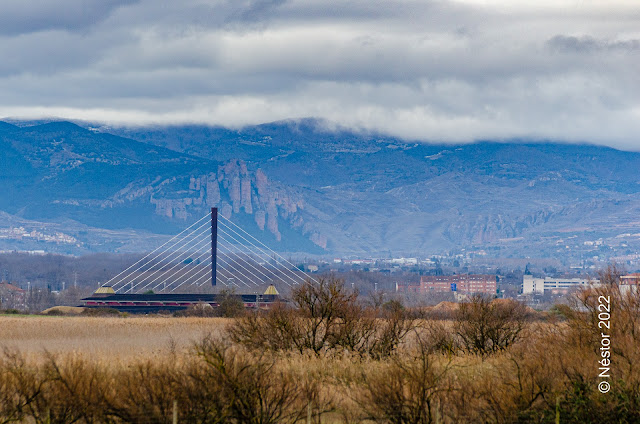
[553, 285]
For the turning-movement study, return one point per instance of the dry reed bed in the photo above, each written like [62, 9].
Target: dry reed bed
[105, 338]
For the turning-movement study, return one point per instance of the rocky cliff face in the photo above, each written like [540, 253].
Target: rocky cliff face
[234, 189]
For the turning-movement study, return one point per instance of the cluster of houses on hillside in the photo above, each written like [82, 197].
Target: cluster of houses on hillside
[20, 233]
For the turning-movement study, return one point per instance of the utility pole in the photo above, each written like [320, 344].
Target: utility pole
[175, 412]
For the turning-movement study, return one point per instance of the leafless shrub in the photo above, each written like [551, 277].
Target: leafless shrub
[393, 327]
[101, 312]
[406, 391]
[254, 390]
[200, 398]
[148, 390]
[18, 387]
[323, 306]
[49, 393]
[484, 327]
[198, 310]
[277, 330]
[230, 305]
[582, 340]
[520, 386]
[555, 373]
[439, 337]
[325, 316]
[75, 391]
[199, 387]
[622, 305]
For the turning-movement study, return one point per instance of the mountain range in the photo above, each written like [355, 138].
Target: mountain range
[306, 186]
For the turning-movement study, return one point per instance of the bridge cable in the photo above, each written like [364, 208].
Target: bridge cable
[232, 246]
[274, 275]
[155, 250]
[179, 261]
[236, 267]
[283, 266]
[237, 264]
[267, 247]
[165, 252]
[206, 252]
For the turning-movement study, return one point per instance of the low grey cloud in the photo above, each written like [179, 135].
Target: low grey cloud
[586, 44]
[256, 10]
[26, 16]
[443, 70]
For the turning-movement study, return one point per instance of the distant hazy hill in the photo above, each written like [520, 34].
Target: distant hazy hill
[306, 188]
[62, 173]
[376, 194]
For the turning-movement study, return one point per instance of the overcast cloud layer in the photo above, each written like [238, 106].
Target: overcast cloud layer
[454, 71]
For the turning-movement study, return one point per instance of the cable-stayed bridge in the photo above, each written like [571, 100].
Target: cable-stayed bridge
[211, 251]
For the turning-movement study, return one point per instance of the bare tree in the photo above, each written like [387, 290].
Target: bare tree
[484, 326]
[407, 390]
[322, 316]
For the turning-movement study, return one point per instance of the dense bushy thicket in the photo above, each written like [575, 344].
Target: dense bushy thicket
[480, 326]
[217, 384]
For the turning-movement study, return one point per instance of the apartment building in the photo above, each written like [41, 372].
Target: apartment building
[459, 283]
[554, 285]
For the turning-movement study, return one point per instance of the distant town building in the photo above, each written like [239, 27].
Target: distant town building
[459, 283]
[630, 279]
[532, 285]
[554, 285]
[405, 261]
[12, 297]
[629, 282]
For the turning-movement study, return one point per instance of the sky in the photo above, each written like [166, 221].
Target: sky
[440, 71]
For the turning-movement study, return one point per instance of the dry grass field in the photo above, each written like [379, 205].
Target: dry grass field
[328, 360]
[105, 338]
